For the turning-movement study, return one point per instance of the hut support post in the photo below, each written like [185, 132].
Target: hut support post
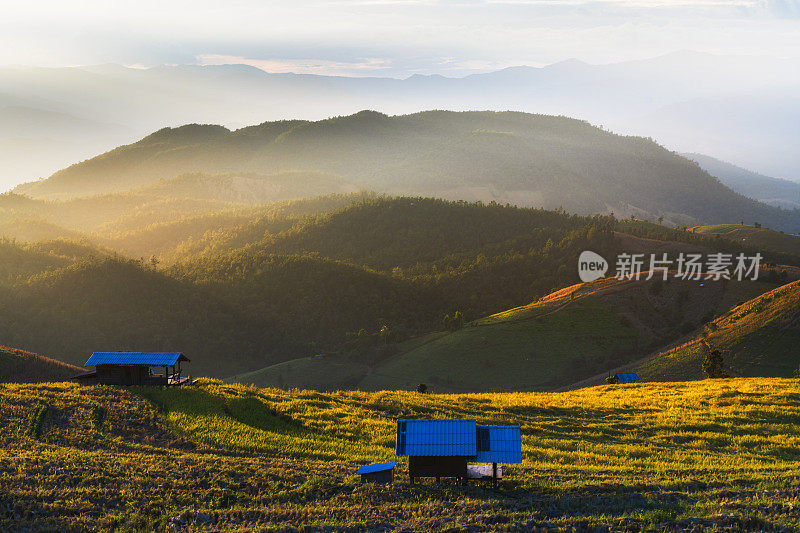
[494, 475]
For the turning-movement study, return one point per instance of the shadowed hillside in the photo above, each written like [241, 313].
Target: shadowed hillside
[759, 337]
[18, 366]
[569, 335]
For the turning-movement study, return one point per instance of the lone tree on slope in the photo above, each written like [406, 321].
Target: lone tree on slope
[714, 365]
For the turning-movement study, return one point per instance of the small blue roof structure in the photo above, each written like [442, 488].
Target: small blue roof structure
[627, 377]
[379, 467]
[135, 358]
[461, 438]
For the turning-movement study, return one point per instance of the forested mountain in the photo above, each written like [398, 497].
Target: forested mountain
[303, 277]
[261, 245]
[523, 159]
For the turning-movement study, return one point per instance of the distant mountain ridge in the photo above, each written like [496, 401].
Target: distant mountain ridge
[508, 157]
[773, 191]
[34, 142]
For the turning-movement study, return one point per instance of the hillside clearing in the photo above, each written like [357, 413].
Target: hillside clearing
[763, 238]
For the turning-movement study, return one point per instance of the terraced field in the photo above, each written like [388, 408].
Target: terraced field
[721, 454]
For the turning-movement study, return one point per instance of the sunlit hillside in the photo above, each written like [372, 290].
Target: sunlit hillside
[715, 454]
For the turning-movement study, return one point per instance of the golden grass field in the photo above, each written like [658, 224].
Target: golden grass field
[725, 453]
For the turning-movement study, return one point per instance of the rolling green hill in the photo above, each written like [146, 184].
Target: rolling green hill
[570, 335]
[385, 233]
[654, 456]
[529, 160]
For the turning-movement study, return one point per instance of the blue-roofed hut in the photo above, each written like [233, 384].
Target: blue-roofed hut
[626, 377]
[442, 448]
[134, 368]
[377, 473]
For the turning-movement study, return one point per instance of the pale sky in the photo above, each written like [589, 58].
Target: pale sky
[394, 38]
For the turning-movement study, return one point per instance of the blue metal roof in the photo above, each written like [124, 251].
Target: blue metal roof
[440, 437]
[443, 437]
[499, 444]
[380, 467]
[135, 358]
[627, 377]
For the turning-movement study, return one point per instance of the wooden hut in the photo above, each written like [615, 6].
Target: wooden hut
[442, 448]
[134, 368]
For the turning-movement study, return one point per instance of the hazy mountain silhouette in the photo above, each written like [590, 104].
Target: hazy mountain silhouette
[718, 105]
[773, 191]
[36, 142]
